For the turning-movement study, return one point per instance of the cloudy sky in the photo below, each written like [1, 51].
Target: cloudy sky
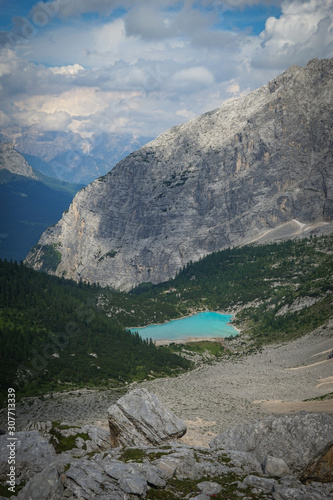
[139, 67]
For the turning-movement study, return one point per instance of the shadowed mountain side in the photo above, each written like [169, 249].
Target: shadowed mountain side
[30, 202]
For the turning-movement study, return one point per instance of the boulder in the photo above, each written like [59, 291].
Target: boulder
[99, 436]
[260, 483]
[241, 459]
[139, 418]
[32, 454]
[209, 488]
[296, 439]
[88, 479]
[44, 486]
[276, 467]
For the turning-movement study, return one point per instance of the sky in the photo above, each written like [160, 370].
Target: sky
[140, 67]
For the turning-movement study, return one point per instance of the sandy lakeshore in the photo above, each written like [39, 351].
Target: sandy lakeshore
[218, 396]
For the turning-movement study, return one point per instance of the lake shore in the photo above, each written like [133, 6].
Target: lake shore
[192, 334]
[188, 340]
[183, 317]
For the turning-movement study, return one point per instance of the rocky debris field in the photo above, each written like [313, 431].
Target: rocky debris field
[283, 458]
[234, 391]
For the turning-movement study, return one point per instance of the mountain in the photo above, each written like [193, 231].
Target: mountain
[257, 164]
[30, 202]
[69, 157]
[14, 162]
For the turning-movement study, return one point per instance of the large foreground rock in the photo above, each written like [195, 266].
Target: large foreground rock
[139, 418]
[296, 439]
[32, 454]
[44, 486]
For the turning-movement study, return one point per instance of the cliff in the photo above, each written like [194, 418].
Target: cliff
[220, 180]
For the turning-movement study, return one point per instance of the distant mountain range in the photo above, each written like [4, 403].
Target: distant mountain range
[67, 156]
[30, 202]
[258, 164]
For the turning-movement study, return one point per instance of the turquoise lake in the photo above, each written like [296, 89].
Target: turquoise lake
[201, 325]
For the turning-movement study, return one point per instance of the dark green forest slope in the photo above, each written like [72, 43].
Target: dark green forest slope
[52, 335]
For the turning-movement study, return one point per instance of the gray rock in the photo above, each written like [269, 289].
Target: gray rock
[226, 177]
[284, 493]
[276, 467]
[87, 476]
[150, 472]
[99, 436]
[87, 479]
[209, 488]
[290, 482]
[117, 469]
[261, 483]
[166, 467]
[187, 466]
[43, 486]
[296, 439]
[134, 484]
[247, 461]
[140, 418]
[321, 467]
[32, 454]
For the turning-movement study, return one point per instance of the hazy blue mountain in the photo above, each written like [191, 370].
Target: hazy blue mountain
[68, 156]
[29, 203]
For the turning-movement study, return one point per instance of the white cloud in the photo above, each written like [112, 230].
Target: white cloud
[194, 76]
[67, 70]
[152, 67]
[186, 114]
[147, 23]
[233, 88]
[302, 32]
[44, 122]
[4, 119]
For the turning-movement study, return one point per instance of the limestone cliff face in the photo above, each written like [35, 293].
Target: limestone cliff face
[219, 180]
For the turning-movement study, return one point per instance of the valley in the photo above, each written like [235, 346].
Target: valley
[277, 293]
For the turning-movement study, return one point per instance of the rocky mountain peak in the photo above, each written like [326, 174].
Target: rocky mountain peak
[222, 179]
[12, 160]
